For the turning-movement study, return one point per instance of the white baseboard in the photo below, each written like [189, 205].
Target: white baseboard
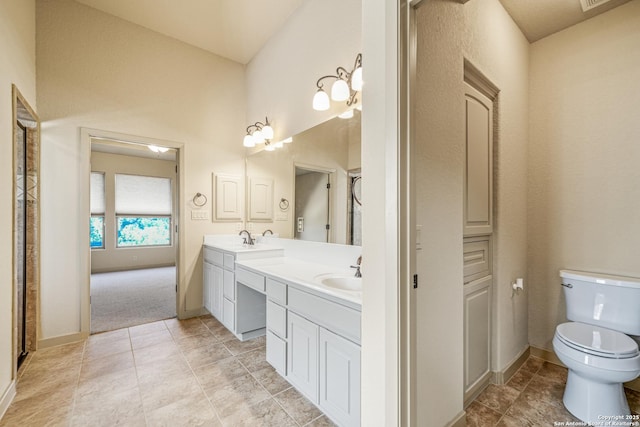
[62, 339]
[7, 398]
[460, 420]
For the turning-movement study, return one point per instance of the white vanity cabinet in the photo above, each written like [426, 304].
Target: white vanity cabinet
[314, 343]
[213, 282]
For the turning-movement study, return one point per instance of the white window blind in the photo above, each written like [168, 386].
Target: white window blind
[97, 193]
[142, 195]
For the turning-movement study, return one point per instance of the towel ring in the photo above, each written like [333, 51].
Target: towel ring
[199, 200]
[284, 204]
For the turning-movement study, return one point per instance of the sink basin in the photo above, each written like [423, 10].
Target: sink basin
[344, 283]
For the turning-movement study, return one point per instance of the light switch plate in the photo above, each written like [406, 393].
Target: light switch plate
[200, 215]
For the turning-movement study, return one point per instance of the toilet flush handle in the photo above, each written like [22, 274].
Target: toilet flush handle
[568, 285]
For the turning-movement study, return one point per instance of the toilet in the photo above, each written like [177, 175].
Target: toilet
[596, 345]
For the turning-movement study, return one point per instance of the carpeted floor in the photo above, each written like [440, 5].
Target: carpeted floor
[127, 298]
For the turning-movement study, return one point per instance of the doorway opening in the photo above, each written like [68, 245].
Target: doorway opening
[312, 205]
[133, 233]
[26, 220]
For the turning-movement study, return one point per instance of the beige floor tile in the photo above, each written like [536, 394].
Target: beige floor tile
[117, 335]
[520, 379]
[265, 414]
[199, 340]
[210, 353]
[51, 408]
[152, 338]
[219, 373]
[297, 406]
[254, 360]
[540, 388]
[218, 330]
[236, 346]
[156, 354]
[498, 397]
[322, 421]
[153, 374]
[552, 372]
[538, 412]
[479, 415]
[633, 398]
[98, 349]
[185, 328]
[271, 380]
[92, 368]
[147, 328]
[108, 384]
[109, 409]
[533, 364]
[35, 385]
[164, 392]
[187, 412]
[239, 392]
[507, 421]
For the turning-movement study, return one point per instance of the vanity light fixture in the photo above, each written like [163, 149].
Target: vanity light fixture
[346, 86]
[258, 133]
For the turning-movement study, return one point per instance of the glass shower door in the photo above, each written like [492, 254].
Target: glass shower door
[20, 237]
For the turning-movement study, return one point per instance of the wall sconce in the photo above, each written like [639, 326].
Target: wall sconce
[258, 133]
[346, 86]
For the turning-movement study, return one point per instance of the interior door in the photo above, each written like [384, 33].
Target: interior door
[312, 205]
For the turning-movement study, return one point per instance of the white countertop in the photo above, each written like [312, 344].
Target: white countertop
[302, 274]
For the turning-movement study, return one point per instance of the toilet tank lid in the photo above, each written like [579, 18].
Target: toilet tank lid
[601, 278]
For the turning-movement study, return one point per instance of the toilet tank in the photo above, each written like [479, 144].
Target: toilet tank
[605, 300]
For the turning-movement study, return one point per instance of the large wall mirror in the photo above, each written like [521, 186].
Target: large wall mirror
[314, 183]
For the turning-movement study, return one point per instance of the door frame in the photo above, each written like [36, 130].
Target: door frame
[24, 113]
[86, 135]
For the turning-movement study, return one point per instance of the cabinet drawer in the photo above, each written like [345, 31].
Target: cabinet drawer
[277, 319]
[250, 279]
[229, 285]
[477, 258]
[342, 320]
[212, 256]
[277, 353]
[277, 291]
[229, 261]
[229, 314]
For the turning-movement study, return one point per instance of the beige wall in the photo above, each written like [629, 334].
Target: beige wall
[98, 71]
[482, 32]
[583, 188]
[17, 66]
[115, 259]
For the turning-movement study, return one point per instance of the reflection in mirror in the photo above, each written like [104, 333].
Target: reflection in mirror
[327, 155]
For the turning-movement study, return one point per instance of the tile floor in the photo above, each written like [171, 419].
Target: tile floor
[168, 373]
[532, 397]
[196, 373]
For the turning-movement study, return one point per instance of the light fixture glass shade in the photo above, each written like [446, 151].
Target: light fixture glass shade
[279, 144]
[248, 141]
[288, 140]
[267, 132]
[346, 115]
[258, 137]
[321, 100]
[340, 90]
[356, 79]
[269, 147]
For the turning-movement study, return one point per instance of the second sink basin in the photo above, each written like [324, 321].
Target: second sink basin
[345, 283]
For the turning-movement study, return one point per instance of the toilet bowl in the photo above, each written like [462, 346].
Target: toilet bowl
[599, 361]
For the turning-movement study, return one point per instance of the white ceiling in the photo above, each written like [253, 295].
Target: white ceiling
[234, 29]
[237, 29]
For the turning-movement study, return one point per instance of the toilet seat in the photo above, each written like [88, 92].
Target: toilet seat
[597, 341]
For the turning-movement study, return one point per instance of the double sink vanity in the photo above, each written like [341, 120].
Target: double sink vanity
[305, 298]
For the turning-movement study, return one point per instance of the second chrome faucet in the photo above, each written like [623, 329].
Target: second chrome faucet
[357, 266]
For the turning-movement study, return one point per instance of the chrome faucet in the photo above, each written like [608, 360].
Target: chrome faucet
[357, 266]
[246, 240]
[264, 233]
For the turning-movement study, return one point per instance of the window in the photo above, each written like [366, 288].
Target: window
[97, 210]
[143, 211]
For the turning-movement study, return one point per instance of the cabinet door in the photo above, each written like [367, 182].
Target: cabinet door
[207, 284]
[339, 378]
[477, 339]
[302, 356]
[478, 170]
[229, 314]
[229, 285]
[216, 291]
